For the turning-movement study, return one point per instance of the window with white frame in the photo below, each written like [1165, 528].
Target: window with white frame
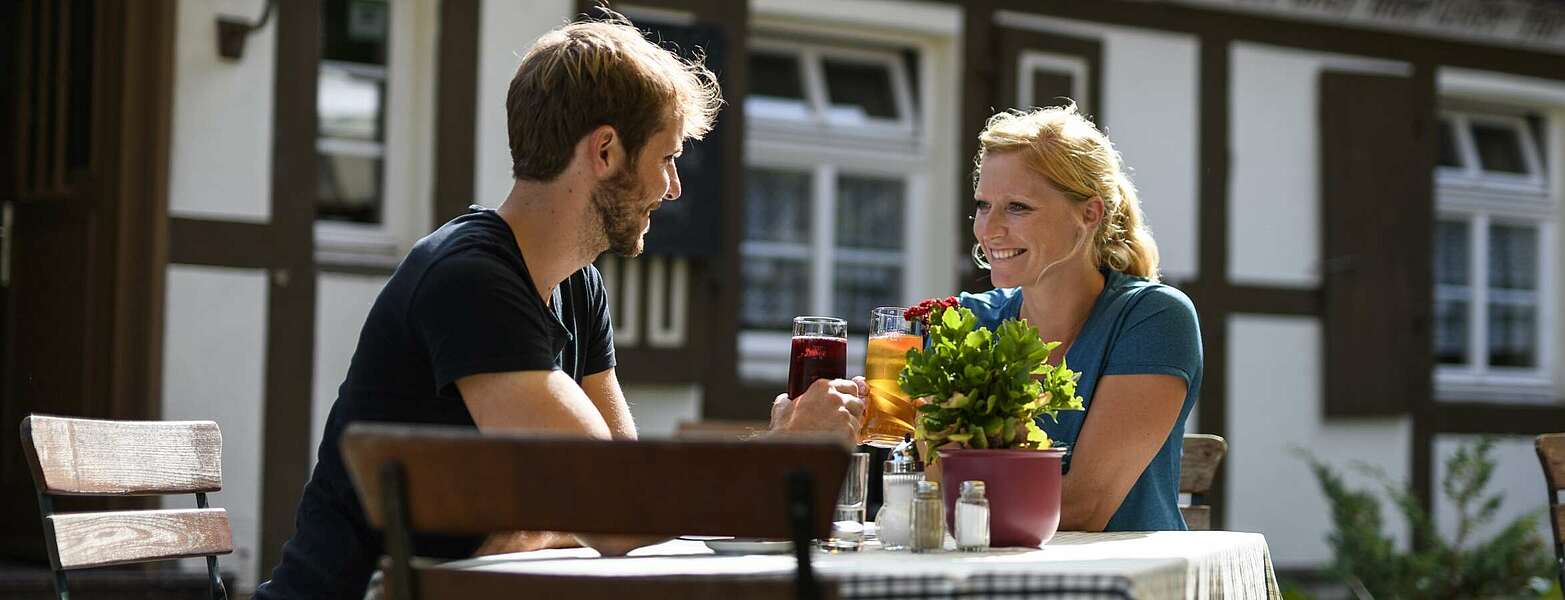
[834, 157]
[351, 108]
[1047, 79]
[848, 92]
[371, 119]
[1494, 256]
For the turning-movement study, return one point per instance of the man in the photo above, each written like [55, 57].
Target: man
[498, 319]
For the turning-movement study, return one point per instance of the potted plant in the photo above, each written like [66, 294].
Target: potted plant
[984, 392]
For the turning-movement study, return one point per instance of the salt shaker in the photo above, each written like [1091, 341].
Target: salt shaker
[929, 518]
[972, 518]
[898, 482]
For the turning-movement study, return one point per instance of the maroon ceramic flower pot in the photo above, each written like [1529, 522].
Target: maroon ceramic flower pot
[1023, 487]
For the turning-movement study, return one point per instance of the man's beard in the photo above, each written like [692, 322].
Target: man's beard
[615, 201]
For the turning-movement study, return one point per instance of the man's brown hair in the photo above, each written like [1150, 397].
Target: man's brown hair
[587, 74]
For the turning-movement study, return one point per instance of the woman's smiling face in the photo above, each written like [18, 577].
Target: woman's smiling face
[1022, 223]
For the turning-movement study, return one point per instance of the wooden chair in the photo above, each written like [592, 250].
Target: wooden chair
[457, 481]
[1197, 467]
[84, 457]
[719, 430]
[1551, 454]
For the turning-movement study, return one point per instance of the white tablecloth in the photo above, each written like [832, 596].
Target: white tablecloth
[1165, 564]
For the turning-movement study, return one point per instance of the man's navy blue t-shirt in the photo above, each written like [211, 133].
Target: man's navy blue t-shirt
[461, 303]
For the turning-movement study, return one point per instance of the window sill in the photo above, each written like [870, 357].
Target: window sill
[347, 246]
[1512, 390]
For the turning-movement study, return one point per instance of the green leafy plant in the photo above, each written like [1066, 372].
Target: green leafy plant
[986, 389]
[1515, 563]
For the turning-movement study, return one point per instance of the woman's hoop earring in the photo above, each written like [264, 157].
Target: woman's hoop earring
[978, 256]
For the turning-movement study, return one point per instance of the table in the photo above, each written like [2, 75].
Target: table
[1163, 564]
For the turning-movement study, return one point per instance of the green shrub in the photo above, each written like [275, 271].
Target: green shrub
[1515, 563]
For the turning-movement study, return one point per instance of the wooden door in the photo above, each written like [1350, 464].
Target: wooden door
[82, 196]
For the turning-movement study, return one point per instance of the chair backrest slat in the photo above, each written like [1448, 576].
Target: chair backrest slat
[462, 482]
[100, 539]
[1197, 518]
[1198, 466]
[718, 430]
[1551, 453]
[1557, 517]
[87, 457]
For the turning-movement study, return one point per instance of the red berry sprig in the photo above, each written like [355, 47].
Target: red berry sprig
[920, 312]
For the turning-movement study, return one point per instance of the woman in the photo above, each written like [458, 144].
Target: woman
[1060, 230]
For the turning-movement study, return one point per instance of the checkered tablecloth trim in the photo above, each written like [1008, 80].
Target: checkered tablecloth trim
[989, 585]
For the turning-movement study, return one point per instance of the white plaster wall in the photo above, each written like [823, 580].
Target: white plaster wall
[342, 302]
[506, 29]
[1274, 199]
[1518, 478]
[658, 409]
[1151, 106]
[214, 365]
[1274, 408]
[221, 156]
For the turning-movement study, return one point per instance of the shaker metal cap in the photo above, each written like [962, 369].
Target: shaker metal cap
[928, 487]
[972, 488]
[903, 458]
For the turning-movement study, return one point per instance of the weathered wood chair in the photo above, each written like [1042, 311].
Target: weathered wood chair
[84, 457]
[1197, 467]
[457, 481]
[1551, 454]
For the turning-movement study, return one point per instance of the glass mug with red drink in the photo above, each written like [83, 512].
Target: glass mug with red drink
[820, 351]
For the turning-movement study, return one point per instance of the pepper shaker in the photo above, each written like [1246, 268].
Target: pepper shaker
[972, 518]
[929, 518]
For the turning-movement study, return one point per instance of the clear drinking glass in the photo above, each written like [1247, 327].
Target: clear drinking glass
[888, 413]
[847, 520]
[820, 351]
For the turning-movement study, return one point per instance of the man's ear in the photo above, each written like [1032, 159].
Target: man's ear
[605, 151]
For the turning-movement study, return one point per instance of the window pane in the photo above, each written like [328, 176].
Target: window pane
[348, 188]
[776, 75]
[777, 206]
[775, 291]
[1451, 331]
[858, 90]
[350, 103]
[1499, 148]
[1451, 252]
[1513, 335]
[355, 30]
[350, 106]
[1449, 155]
[1513, 257]
[1052, 88]
[869, 212]
[858, 289]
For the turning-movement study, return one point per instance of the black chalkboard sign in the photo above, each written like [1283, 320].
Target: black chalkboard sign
[692, 226]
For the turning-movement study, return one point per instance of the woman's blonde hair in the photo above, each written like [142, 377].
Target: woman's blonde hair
[1078, 160]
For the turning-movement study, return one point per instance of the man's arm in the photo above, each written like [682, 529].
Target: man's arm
[604, 391]
[532, 401]
[546, 401]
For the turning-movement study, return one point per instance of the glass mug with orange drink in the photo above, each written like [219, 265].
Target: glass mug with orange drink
[888, 413]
